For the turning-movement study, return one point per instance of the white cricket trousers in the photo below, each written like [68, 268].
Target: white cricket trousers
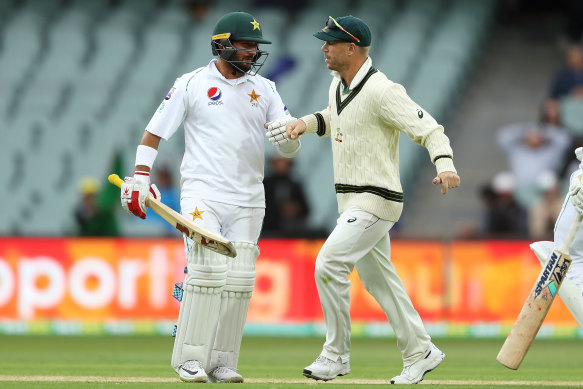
[361, 239]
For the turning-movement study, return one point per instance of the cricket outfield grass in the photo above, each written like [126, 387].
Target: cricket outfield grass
[143, 362]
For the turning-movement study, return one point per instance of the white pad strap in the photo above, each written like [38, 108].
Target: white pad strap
[200, 306]
[234, 305]
[542, 250]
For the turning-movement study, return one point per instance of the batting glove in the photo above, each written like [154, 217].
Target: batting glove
[576, 194]
[579, 154]
[134, 192]
[276, 132]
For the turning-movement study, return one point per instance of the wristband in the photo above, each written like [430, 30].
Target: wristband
[145, 156]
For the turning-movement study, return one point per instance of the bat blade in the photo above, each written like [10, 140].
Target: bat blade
[534, 310]
[199, 235]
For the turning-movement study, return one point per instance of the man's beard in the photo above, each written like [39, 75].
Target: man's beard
[244, 65]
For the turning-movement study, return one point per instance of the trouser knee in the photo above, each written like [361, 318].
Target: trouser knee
[325, 269]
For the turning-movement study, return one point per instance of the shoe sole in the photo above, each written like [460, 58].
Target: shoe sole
[232, 381]
[200, 380]
[426, 371]
[309, 374]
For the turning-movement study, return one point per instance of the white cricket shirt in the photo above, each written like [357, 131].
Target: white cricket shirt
[224, 134]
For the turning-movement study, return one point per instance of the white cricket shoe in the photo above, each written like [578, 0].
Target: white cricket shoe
[414, 373]
[326, 369]
[192, 371]
[225, 374]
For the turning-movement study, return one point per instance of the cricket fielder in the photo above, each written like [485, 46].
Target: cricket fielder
[223, 107]
[364, 118]
[571, 290]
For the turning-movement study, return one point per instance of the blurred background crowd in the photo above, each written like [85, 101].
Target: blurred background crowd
[81, 78]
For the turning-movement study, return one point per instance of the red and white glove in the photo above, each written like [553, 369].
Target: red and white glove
[134, 192]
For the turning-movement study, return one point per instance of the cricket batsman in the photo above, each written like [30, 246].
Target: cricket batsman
[571, 290]
[223, 107]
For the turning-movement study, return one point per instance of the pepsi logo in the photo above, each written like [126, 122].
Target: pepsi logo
[214, 93]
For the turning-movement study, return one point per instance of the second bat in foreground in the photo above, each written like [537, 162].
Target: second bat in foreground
[537, 304]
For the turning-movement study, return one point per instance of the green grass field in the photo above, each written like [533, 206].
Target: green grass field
[143, 362]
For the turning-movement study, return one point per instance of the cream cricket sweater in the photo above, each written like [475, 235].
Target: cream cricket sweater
[364, 123]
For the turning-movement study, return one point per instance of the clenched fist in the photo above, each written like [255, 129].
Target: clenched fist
[276, 131]
[296, 129]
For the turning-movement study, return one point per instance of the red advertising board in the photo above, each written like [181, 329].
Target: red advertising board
[118, 279]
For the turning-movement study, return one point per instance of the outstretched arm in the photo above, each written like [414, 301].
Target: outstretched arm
[400, 112]
[318, 123]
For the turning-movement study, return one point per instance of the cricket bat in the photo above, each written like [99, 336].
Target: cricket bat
[199, 235]
[537, 304]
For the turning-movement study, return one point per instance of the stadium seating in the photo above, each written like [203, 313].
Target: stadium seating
[84, 77]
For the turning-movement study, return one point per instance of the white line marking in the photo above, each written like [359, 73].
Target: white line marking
[14, 378]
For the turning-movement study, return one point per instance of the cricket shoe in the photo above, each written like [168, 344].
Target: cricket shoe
[414, 373]
[192, 371]
[326, 369]
[225, 374]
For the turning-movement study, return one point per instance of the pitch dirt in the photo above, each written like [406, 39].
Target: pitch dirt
[122, 380]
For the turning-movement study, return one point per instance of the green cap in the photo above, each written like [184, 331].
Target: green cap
[357, 31]
[239, 26]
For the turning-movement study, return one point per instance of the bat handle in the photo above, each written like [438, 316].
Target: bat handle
[571, 234]
[115, 180]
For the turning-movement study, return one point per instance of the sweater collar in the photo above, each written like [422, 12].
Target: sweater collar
[358, 77]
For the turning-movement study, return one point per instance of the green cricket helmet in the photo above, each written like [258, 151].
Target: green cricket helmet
[238, 26]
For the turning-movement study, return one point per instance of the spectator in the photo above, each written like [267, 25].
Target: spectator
[197, 10]
[542, 215]
[503, 216]
[286, 205]
[165, 183]
[91, 218]
[291, 8]
[569, 80]
[574, 25]
[532, 148]
[570, 161]
[550, 113]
